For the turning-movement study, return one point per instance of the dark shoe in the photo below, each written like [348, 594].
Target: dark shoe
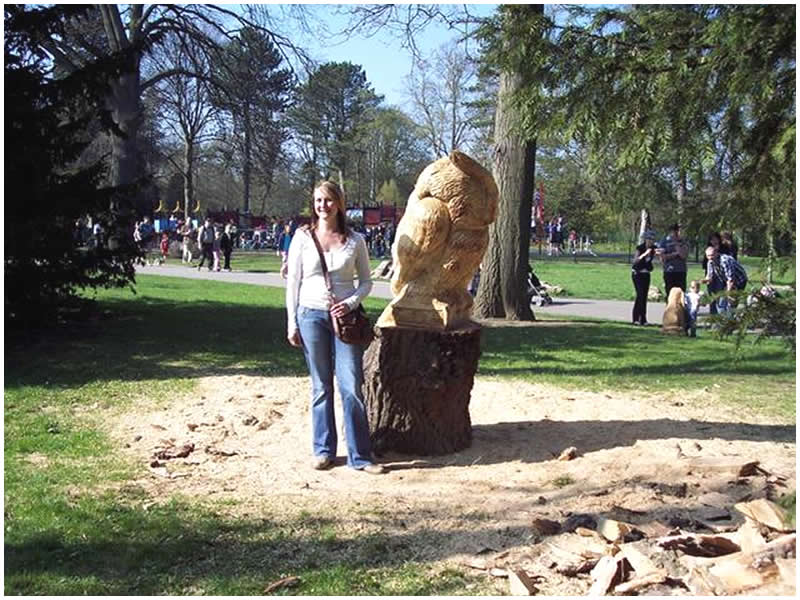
[320, 463]
[374, 469]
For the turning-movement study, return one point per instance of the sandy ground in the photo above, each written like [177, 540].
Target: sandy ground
[252, 443]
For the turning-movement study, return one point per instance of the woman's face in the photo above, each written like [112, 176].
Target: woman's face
[715, 241]
[648, 242]
[324, 206]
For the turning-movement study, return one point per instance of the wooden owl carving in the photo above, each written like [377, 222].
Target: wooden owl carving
[439, 243]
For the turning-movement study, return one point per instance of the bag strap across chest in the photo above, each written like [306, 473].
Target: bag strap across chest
[322, 262]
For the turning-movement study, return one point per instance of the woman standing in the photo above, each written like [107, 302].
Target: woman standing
[310, 308]
[640, 273]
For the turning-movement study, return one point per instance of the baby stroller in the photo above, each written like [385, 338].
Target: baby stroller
[536, 293]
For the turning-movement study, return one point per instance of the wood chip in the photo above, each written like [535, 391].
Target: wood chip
[637, 555]
[605, 574]
[500, 573]
[654, 529]
[220, 452]
[170, 453]
[749, 536]
[735, 467]
[282, 583]
[717, 526]
[520, 584]
[475, 563]
[584, 532]
[742, 571]
[787, 569]
[695, 544]
[191, 426]
[568, 453]
[546, 526]
[637, 583]
[765, 512]
[613, 531]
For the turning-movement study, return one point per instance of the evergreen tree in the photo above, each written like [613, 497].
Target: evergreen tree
[254, 91]
[46, 119]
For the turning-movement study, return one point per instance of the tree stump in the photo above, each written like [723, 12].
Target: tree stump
[417, 386]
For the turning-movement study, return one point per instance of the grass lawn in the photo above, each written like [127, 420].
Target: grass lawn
[65, 535]
[594, 278]
[610, 279]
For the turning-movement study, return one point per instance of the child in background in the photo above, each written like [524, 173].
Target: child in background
[216, 249]
[164, 247]
[692, 302]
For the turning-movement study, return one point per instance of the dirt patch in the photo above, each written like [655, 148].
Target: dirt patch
[250, 441]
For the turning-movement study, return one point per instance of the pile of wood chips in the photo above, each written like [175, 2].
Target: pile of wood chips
[753, 555]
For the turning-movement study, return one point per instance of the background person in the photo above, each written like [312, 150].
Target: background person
[205, 239]
[310, 308]
[673, 252]
[226, 244]
[714, 240]
[640, 274]
[725, 273]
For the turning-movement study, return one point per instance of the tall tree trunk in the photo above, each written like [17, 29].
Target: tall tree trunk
[123, 103]
[503, 286]
[644, 224]
[246, 166]
[188, 176]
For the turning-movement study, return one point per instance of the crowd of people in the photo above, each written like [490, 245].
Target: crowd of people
[561, 240]
[722, 274]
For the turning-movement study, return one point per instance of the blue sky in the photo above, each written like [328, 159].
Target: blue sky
[382, 56]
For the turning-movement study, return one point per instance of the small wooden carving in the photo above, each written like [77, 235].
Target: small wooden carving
[674, 321]
[439, 244]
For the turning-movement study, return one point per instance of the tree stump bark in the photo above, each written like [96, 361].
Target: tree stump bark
[417, 386]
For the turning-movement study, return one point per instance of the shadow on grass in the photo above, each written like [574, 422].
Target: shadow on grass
[149, 338]
[166, 550]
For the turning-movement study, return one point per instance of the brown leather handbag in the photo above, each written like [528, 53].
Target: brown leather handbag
[354, 327]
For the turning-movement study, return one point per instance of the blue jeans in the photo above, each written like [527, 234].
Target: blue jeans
[326, 354]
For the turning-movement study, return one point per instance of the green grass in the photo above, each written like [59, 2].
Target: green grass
[604, 355]
[587, 277]
[67, 533]
[610, 279]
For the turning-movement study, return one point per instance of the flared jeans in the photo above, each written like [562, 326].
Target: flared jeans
[327, 355]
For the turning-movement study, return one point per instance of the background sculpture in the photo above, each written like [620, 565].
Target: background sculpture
[439, 244]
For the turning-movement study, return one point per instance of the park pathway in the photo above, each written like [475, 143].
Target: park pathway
[614, 310]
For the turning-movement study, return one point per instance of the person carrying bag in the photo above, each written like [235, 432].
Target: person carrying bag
[353, 327]
[323, 308]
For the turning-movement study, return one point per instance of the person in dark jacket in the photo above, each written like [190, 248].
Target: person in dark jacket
[640, 274]
[226, 245]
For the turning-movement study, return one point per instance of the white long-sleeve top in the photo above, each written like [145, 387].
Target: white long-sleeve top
[305, 283]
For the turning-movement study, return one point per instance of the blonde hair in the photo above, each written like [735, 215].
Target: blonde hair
[335, 193]
[694, 284]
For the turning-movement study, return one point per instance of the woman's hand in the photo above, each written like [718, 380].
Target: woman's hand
[340, 309]
[294, 339]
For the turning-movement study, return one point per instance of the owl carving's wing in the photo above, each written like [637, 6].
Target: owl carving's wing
[420, 238]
